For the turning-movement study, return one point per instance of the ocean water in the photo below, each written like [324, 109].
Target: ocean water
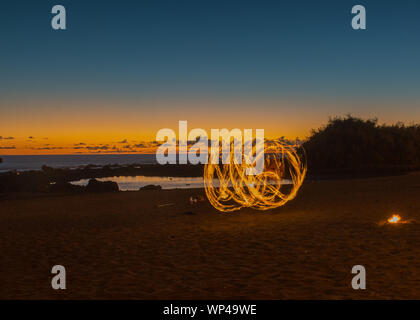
[129, 183]
[35, 162]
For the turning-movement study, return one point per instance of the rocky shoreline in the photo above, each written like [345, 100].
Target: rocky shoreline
[58, 179]
[53, 180]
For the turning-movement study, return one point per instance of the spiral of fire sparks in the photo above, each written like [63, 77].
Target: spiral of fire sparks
[229, 188]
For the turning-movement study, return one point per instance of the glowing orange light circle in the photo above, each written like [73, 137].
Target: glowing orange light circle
[264, 191]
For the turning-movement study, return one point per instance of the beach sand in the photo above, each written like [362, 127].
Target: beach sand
[124, 246]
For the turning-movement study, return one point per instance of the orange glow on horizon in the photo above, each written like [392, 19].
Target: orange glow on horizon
[60, 124]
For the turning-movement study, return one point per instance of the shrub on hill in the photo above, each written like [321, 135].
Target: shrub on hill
[355, 144]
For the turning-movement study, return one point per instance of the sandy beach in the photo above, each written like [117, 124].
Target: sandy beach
[127, 245]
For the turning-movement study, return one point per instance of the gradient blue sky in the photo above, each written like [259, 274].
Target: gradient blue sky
[265, 56]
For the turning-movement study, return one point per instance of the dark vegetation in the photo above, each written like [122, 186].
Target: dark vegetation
[352, 145]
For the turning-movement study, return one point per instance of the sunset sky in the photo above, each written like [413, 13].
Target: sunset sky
[125, 69]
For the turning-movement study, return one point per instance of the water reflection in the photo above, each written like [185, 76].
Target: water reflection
[136, 182]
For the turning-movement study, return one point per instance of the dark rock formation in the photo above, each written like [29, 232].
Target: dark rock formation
[64, 187]
[99, 186]
[151, 187]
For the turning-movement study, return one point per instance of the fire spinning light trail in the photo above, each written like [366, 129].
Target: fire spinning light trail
[229, 188]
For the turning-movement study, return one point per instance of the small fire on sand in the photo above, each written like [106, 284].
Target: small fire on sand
[394, 219]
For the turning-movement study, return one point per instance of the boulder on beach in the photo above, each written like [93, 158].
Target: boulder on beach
[151, 187]
[102, 186]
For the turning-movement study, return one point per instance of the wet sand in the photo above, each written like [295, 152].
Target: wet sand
[124, 245]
